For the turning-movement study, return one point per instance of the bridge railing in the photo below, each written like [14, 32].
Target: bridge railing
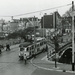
[60, 51]
[63, 48]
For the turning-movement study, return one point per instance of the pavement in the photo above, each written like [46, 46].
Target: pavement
[42, 62]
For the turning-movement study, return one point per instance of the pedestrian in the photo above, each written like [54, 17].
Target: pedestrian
[34, 55]
[46, 48]
[0, 51]
[25, 58]
[7, 47]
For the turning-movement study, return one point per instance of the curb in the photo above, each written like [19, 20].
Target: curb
[55, 69]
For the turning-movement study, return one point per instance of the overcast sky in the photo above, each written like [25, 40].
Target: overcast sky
[16, 7]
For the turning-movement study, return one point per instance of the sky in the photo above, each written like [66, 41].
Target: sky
[16, 7]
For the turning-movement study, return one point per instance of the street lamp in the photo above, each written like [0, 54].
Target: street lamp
[56, 48]
[33, 19]
[73, 36]
[43, 26]
[34, 36]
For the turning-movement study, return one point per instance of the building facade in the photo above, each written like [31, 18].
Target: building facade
[52, 22]
[30, 22]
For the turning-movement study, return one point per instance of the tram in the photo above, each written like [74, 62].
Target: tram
[30, 48]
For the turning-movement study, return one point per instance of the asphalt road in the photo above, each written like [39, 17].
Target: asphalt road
[11, 65]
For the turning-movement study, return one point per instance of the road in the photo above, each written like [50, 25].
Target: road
[11, 65]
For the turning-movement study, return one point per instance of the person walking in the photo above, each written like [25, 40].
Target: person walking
[25, 58]
[0, 51]
[7, 47]
[34, 55]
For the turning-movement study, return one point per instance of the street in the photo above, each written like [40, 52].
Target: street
[11, 65]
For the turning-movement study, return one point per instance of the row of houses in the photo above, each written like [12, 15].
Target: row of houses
[17, 24]
[47, 23]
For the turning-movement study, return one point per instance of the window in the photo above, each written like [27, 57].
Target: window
[27, 48]
[21, 49]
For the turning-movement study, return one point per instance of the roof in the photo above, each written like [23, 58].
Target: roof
[25, 44]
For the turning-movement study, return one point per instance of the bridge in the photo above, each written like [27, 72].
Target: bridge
[62, 50]
[66, 48]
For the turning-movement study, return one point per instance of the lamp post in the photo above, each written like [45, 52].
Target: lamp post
[56, 47]
[73, 36]
[55, 59]
[55, 38]
[34, 36]
[33, 19]
[43, 26]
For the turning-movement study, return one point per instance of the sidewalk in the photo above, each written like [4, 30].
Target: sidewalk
[11, 47]
[46, 64]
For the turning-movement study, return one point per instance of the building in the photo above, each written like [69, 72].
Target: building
[51, 22]
[13, 25]
[67, 24]
[31, 22]
[47, 21]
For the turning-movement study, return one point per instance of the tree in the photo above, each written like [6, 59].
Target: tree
[23, 34]
[68, 13]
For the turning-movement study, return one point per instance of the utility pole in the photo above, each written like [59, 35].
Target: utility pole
[43, 26]
[55, 51]
[72, 35]
[34, 35]
[55, 40]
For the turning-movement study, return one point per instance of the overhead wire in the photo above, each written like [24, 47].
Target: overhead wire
[38, 11]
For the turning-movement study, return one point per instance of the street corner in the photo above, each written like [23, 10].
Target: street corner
[48, 72]
[45, 64]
